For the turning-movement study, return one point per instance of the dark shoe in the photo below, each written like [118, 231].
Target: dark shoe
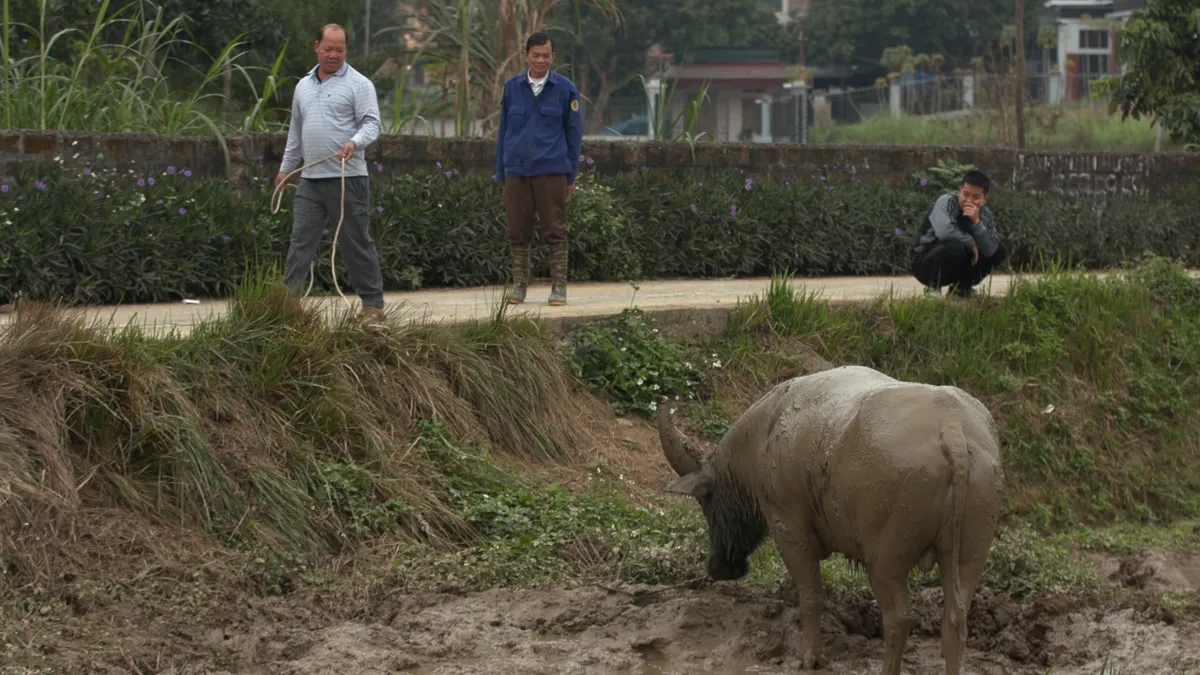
[558, 275]
[520, 272]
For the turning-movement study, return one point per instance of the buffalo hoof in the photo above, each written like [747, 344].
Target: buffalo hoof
[811, 659]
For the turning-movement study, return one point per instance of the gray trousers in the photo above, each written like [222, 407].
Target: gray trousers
[316, 209]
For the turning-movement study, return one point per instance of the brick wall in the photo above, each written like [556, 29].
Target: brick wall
[258, 155]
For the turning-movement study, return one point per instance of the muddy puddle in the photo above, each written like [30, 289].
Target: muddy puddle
[724, 629]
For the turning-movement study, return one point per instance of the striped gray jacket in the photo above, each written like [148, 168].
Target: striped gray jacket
[325, 115]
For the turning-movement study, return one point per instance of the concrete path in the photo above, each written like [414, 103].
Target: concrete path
[586, 300]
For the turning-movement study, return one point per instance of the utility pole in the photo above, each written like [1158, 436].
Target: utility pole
[1020, 102]
[367, 37]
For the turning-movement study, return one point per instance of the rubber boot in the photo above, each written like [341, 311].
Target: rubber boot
[520, 272]
[558, 275]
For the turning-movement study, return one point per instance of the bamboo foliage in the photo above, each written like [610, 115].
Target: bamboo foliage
[476, 45]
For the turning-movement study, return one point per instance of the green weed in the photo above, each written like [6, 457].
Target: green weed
[1094, 381]
[632, 363]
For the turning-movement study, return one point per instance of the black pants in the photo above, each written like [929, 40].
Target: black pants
[949, 264]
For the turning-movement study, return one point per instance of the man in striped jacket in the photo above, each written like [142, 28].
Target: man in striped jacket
[334, 110]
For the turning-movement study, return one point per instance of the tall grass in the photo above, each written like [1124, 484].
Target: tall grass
[120, 76]
[1083, 129]
[267, 427]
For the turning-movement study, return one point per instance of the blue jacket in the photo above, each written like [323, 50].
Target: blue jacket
[542, 135]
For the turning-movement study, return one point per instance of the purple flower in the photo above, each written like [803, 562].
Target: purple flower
[439, 164]
[141, 182]
[87, 170]
[150, 180]
[447, 174]
[158, 201]
[748, 183]
[39, 185]
[127, 223]
[187, 173]
[899, 232]
[924, 182]
[733, 210]
[590, 161]
[253, 231]
[171, 170]
[4, 188]
[693, 208]
[226, 238]
[378, 167]
[379, 209]
[183, 212]
[45, 271]
[1139, 214]
[582, 159]
[324, 231]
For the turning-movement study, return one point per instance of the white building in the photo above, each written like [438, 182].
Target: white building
[1086, 42]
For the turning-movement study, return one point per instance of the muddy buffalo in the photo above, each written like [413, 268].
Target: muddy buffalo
[890, 474]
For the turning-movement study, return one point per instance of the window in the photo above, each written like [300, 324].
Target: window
[1093, 39]
[1093, 64]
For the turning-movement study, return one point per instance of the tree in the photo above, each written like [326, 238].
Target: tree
[602, 59]
[475, 45]
[856, 32]
[1159, 50]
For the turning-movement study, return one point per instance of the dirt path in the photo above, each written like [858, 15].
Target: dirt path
[586, 299]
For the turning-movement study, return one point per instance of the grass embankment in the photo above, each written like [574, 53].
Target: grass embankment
[278, 443]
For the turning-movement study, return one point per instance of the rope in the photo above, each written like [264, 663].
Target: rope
[276, 200]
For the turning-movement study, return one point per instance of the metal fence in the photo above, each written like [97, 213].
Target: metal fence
[786, 114]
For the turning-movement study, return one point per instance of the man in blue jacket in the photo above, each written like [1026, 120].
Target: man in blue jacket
[957, 245]
[537, 157]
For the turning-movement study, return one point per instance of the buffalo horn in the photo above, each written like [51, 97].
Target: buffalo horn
[675, 446]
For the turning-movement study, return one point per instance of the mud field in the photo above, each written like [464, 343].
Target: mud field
[721, 628]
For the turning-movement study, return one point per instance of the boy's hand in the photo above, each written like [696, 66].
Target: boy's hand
[971, 211]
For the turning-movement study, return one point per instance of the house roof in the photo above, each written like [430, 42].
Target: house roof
[729, 71]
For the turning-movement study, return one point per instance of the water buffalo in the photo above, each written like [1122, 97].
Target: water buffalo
[890, 474]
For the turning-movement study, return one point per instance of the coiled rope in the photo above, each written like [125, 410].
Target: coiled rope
[276, 200]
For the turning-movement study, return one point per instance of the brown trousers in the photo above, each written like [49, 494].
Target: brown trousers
[544, 195]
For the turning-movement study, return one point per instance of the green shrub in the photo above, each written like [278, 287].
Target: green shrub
[106, 237]
[632, 363]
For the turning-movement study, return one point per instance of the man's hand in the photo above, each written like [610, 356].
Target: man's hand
[971, 211]
[347, 150]
[974, 255]
[570, 190]
[280, 178]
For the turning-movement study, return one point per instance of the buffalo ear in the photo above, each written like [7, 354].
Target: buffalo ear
[694, 484]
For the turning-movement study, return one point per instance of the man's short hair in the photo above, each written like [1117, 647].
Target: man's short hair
[322, 29]
[537, 40]
[979, 179]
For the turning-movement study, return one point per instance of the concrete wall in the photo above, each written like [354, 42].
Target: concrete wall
[258, 155]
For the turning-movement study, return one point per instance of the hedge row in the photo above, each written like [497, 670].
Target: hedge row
[92, 237]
